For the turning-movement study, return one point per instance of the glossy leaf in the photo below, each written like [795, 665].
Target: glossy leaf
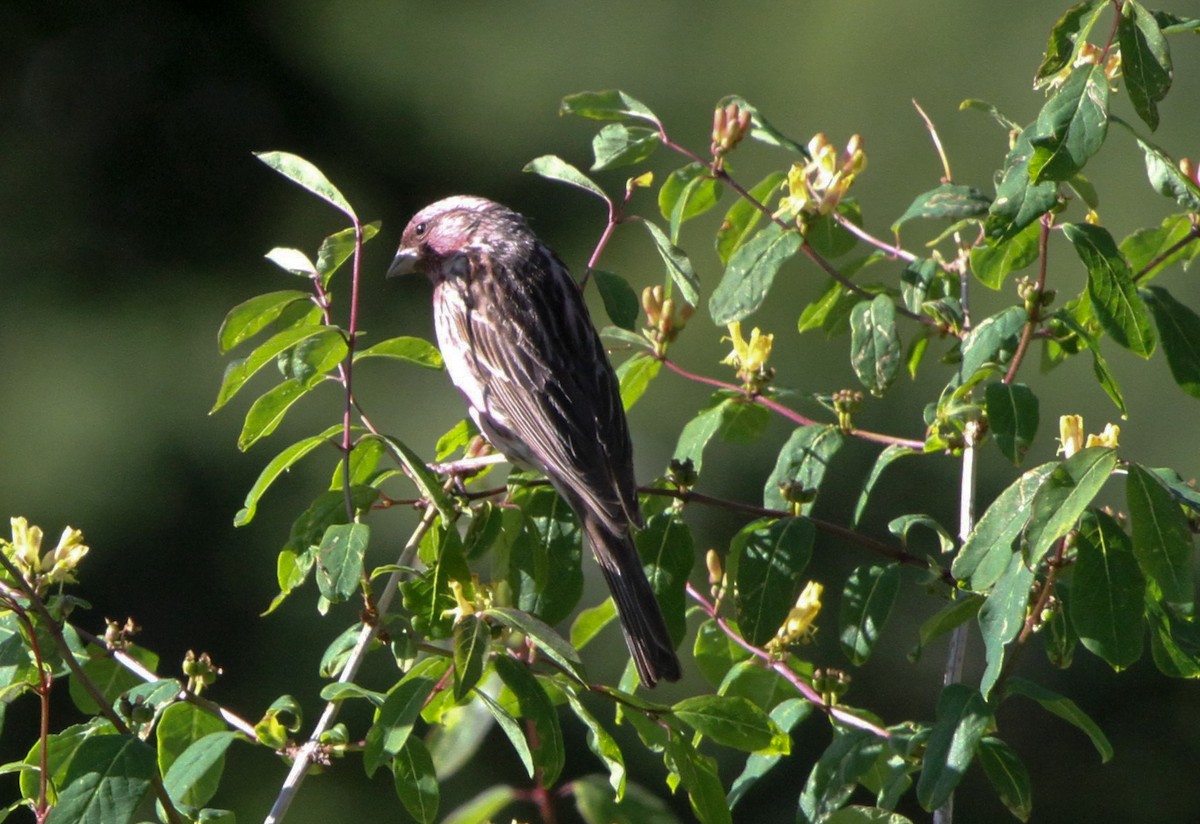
[668, 555]
[339, 247]
[802, 463]
[698, 775]
[1111, 289]
[612, 104]
[1145, 60]
[589, 622]
[730, 721]
[767, 561]
[634, 376]
[1071, 126]
[962, 719]
[617, 145]
[836, 773]
[991, 344]
[1002, 616]
[679, 267]
[416, 780]
[1107, 604]
[1064, 495]
[181, 725]
[250, 317]
[949, 617]
[875, 351]
[394, 720]
[1179, 330]
[193, 777]
[950, 200]
[730, 416]
[743, 216]
[760, 129]
[620, 301]
[597, 804]
[340, 560]
[302, 172]
[553, 167]
[1162, 539]
[601, 743]
[1019, 200]
[1154, 249]
[241, 370]
[544, 565]
[1012, 410]
[902, 525]
[1066, 37]
[1008, 776]
[687, 192]
[484, 806]
[548, 754]
[1166, 178]
[750, 272]
[1174, 642]
[276, 467]
[104, 782]
[1065, 709]
[867, 600]
[715, 652]
[785, 716]
[472, 641]
[1104, 375]
[548, 642]
[404, 348]
[885, 459]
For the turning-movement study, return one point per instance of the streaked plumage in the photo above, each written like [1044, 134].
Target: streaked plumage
[519, 344]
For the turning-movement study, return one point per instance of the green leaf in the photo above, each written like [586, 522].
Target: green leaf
[750, 272]
[785, 716]
[1145, 61]
[305, 174]
[698, 774]
[802, 463]
[241, 370]
[617, 145]
[194, 776]
[250, 317]
[833, 778]
[536, 706]
[472, 640]
[875, 351]
[267, 411]
[901, 525]
[634, 376]
[885, 459]
[422, 476]
[1104, 375]
[292, 261]
[991, 344]
[1063, 497]
[767, 561]
[183, 724]
[730, 721]
[612, 104]
[596, 804]
[1002, 616]
[680, 269]
[276, 467]
[339, 247]
[1107, 604]
[732, 416]
[1071, 126]
[483, 807]
[867, 601]
[668, 555]
[109, 677]
[1154, 249]
[104, 782]
[601, 743]
[962, 719]
[549, 642]
[1066, 37]
[417, 781]
[1065, 709]
[511, 729]
[1019, 200]
[1012, 411]
[589, 622]
[1174, 643]
[553, 167]
[950, 200]
[1162, 539]
[955, 614]
[1111, 289]
[715, 652]
[761, 130]
[743, 216]
[866, 815]
[545, 560]
[404, 348]
[1179, 329]
[1166, 178]
[394, 721]
[340, 560]
[687, 192]
[1008, 776]
[620, 301]
[918, 277]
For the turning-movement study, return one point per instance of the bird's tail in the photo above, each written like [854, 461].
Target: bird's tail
[641, 619]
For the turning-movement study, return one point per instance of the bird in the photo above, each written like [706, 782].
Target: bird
[519, 344]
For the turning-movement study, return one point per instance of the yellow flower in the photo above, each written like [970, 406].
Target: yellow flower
[1109, 437]
[749, 356]
[27, 545]
[798, 626]
[59, 564]
[1071, 435]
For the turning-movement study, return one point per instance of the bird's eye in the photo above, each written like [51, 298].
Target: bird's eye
[420, 229]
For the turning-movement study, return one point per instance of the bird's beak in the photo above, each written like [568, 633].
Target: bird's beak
[404, 263]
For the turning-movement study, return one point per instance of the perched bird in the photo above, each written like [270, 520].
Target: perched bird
[518, 343]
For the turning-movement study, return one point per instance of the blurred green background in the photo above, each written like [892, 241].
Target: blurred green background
[133, 215]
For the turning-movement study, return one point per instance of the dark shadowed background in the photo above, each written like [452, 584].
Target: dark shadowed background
[133, 215]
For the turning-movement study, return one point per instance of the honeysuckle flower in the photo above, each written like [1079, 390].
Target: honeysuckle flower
[798, 626]
[749, 357]
[60, 563]
[818, 185]
[55, 567]
[1071, 436]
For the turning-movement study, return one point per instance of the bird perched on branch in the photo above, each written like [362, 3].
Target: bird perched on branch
[518, 343]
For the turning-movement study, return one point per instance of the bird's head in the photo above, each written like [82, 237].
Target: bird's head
[444, 229]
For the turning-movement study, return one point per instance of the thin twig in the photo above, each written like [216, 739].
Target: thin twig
[304, 755]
